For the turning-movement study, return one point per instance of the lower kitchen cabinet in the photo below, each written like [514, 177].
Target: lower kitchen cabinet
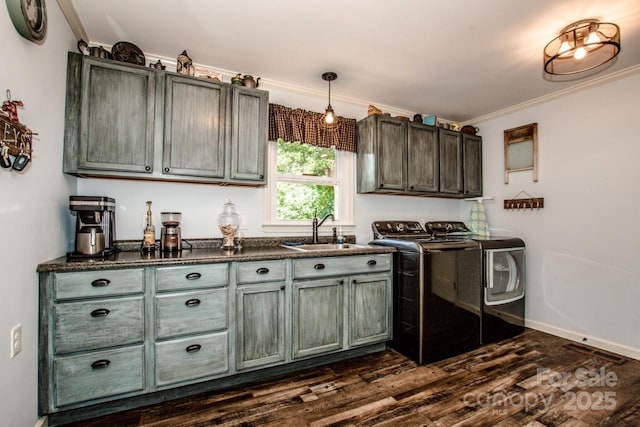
[317, 316]
[114, 334]
[194, 357]
[260, 325]
[369, 314]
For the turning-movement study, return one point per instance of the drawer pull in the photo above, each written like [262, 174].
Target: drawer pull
[194, 302]
[371, 262]
[193, 348]
[354, 281]
[262, 270]
[282, 288]
[101, 364]
[318, 267]
[341, 282]
[99, 283]
[193, 276]
[100, 312]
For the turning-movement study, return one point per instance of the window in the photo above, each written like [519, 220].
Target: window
[305, 179]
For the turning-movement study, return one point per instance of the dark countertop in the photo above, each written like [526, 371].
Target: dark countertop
[202, 253]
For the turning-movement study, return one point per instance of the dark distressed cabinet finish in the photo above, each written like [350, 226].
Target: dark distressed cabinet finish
[472, 167]
[407, 158]
[382, 154]
[129, 121]
[423, 163]
[450, 162]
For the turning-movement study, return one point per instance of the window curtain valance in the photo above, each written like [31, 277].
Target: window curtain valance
[307, 127]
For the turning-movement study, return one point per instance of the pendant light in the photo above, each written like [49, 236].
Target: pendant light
[329, 119]
[582, 46]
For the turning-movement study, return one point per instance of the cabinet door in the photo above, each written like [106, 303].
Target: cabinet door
[391, 152]
[194, 127]
[472, 157]
[450, 162]
[422, 158]
[317, 317]
[369, 309]
[116, 117]
[260, 324]
[249, 134]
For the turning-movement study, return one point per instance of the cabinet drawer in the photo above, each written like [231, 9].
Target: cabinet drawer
[335, 266]
[98, 374]
[191, 312]
[90, 325]
[88, 284]
[190, 358]
[261, 271]
[192, 277]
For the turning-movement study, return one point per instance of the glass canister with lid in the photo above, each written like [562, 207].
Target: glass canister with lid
[228, 222]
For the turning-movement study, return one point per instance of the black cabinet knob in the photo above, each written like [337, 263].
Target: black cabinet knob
[261, 176]
[99, 283]
[166, 170]
[101, 364]
[194, 302]
[282, 288]
[147, 168]
[193, 348]
[381, 185]
[100, 312]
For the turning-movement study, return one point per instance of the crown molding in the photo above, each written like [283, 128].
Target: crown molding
[560, 93]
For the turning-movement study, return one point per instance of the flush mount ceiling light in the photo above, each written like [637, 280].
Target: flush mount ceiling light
[582, 46]
[329, 119]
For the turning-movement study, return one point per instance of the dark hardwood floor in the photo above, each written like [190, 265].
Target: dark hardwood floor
[532, 380]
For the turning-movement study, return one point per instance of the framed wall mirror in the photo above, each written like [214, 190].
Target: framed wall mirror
[521, 150]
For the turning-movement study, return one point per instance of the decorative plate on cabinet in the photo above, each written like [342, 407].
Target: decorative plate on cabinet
[128, 52]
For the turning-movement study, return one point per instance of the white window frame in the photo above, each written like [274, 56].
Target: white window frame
[344, 203]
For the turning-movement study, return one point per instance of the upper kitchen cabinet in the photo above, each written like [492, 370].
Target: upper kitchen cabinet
[396, 156]
[472, 165]
[249, 134]
[129, 121]
[382, 154]
[460, 163]
[422, 158]
[109, 118]
[450, 161]
[194, 127]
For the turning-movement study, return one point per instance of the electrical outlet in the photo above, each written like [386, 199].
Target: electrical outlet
[16, 340]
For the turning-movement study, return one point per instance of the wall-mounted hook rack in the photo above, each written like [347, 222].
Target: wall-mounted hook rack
[524, 203]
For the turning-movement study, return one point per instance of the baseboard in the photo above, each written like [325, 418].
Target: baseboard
[612, 347]
[42, 422]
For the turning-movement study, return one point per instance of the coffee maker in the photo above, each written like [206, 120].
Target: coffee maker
[95, 226]
[170, 235]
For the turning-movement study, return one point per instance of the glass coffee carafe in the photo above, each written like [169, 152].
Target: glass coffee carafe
[228, 222]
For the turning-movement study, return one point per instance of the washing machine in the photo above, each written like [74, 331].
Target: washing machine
[503, 299]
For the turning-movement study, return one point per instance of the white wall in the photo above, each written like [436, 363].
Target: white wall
[33, 210]
[582, 249]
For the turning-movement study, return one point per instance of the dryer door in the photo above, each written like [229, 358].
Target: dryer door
[504, 275]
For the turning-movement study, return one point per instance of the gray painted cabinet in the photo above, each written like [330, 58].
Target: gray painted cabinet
[110, 115]
[260, 313]
[156, 328]
[194, 127]
[129, 121]
[318, 316]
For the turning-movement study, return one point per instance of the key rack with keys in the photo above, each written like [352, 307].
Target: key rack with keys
[16, 143]
[524, 203]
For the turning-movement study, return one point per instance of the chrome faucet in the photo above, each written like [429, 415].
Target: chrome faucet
[315, 224]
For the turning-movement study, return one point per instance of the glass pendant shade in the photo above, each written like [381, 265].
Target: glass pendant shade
[582, 46]
[329, 119]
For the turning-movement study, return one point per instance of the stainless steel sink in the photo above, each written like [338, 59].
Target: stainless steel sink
[323, 247]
